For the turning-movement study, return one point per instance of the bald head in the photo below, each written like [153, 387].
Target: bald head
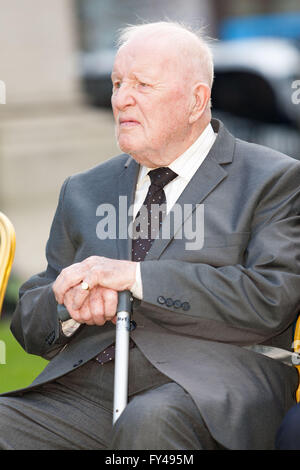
[162, 79]
[191, 48]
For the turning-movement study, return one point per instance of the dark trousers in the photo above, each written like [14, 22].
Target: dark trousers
[288, 436]
[75, 412]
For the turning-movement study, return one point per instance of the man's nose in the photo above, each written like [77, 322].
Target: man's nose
[123, 97]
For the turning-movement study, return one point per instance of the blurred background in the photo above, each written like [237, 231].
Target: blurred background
[55, 61]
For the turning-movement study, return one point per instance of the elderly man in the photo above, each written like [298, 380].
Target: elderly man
[213, 307]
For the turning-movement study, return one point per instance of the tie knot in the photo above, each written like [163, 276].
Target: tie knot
[162, 176]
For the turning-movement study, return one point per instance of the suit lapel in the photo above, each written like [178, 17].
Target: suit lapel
[206, 179]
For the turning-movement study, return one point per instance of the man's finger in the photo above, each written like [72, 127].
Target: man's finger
[110, 299]
[83, 289]
[97, 306]
[68, 278]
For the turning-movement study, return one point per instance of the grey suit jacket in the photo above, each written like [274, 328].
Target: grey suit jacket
[200, 307]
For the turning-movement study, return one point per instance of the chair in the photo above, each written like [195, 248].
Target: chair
[7, 253]
[297, 350]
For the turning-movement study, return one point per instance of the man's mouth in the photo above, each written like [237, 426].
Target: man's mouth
[128, 122]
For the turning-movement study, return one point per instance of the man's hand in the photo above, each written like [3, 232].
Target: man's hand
[97, 272]
[99, 306]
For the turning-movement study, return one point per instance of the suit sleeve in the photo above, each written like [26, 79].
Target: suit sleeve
[241, 304]
[35, 322]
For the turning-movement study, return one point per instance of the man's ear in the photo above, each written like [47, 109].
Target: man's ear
[200, 101]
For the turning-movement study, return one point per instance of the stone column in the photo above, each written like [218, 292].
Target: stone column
[38, 51]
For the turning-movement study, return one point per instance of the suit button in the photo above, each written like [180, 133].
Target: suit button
[185, 306]
[169, 302]
[161, 300]
[177, 303]
[78, 363]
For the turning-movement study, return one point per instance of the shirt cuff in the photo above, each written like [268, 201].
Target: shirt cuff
[69, 327]
[137, 288]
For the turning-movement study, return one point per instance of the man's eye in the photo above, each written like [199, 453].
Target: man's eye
[116, 84]
[143, 84]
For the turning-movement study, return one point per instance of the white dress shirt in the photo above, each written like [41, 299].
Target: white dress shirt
[185, 166]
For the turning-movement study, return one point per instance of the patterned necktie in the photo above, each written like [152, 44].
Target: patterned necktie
[150, 217]
[147, 225]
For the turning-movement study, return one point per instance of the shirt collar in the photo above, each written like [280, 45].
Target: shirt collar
[191, 159]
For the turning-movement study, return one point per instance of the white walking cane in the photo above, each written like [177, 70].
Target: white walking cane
[121, 350]
[122, 354]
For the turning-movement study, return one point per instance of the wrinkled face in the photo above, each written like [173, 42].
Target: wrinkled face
[151, 102]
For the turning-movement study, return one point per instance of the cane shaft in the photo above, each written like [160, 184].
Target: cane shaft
[121, 350]
[122, 354]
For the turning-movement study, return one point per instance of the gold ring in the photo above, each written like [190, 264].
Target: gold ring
[84, 285]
